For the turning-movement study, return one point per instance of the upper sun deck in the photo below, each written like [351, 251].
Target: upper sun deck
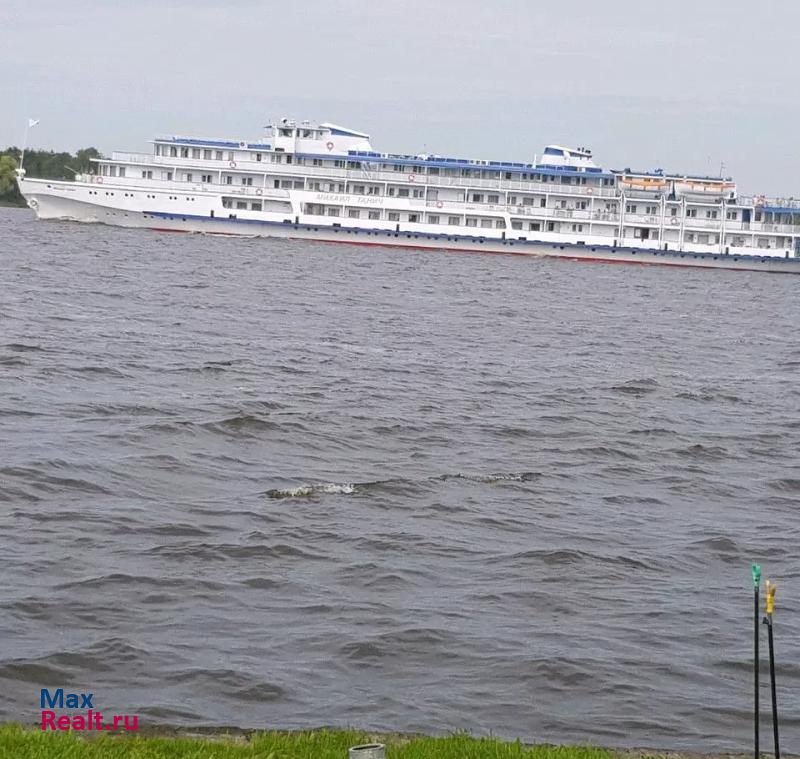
[306, 139]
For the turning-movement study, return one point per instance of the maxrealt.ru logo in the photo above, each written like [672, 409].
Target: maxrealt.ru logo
[90, 719]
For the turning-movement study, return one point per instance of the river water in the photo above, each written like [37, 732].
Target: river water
[275, 484]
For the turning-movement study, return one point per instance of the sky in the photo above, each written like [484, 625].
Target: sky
[684, 85]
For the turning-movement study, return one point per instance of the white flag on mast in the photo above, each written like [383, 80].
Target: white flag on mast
[33, 122]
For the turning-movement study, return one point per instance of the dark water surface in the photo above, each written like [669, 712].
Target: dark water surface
[263, 483]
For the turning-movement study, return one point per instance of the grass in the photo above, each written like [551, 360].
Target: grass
[29, 743]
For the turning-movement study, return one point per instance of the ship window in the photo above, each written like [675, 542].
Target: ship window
[374, 215]
[711, 214]
[630, 208]
[391, 191]
[184, 152]
[516, 225]
[354, 213]
[230, 155]
[535, 226]
[218, 155]
[255, 205]
[339, 164]
[229, 180]
[651, 210]
[551, 226]
[393, 216]
[500, 224]
[691, 213]
[147, 174]
[543, 203]
[227, 203]
[486, 223]
[195, 152]
[241, 204]
[316, 162]
[731, 215]
[206, 155]
[673, 212]
[433, 170]
[472, 222]
[358, 189]
[188, 177]
[206, 178]
[258, 156]
[454, 221]
[433, 219]
[333, 212]
[173, 151]
[247, 181]
[477, 197]
[493, 199]
[402, 192]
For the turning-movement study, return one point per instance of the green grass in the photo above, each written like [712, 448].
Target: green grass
[29, 743]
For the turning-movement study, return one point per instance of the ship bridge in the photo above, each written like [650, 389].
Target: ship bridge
[322, 139]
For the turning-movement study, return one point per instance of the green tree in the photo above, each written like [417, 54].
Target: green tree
[7, 168]
[44, 164]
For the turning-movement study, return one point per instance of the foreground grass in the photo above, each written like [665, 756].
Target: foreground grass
[29, 743]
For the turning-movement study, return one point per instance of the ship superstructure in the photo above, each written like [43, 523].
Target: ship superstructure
[326, 182]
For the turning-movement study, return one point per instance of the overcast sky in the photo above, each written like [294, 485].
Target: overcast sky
[680, 84]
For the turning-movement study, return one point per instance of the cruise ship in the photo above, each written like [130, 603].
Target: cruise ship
[309, 181]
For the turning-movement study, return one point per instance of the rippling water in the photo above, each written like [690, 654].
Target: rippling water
[282, 484]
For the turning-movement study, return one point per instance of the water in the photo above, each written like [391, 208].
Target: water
[260, 483]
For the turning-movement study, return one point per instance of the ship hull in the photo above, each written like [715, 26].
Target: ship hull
[62, 207]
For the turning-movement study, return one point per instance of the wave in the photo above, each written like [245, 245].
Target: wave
[306, 491]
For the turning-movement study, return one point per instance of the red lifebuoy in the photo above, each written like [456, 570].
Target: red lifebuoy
[589, 191]
[439, 204]
[258, 191]
[99, 180]
[232, 164]
[329, 145]
[412, 177]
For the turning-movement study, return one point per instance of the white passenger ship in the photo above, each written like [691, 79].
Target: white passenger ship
[325, 182]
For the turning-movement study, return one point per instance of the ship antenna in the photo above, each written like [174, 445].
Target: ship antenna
[31, 123]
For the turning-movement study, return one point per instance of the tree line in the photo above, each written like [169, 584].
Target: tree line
[46, 164]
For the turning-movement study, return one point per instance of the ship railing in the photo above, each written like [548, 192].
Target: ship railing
[133, 157]
[763, 200]
[366, 175]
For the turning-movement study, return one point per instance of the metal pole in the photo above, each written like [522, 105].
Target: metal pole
[768, 620]
[24, 145]
[756, 571]
[774, 696]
